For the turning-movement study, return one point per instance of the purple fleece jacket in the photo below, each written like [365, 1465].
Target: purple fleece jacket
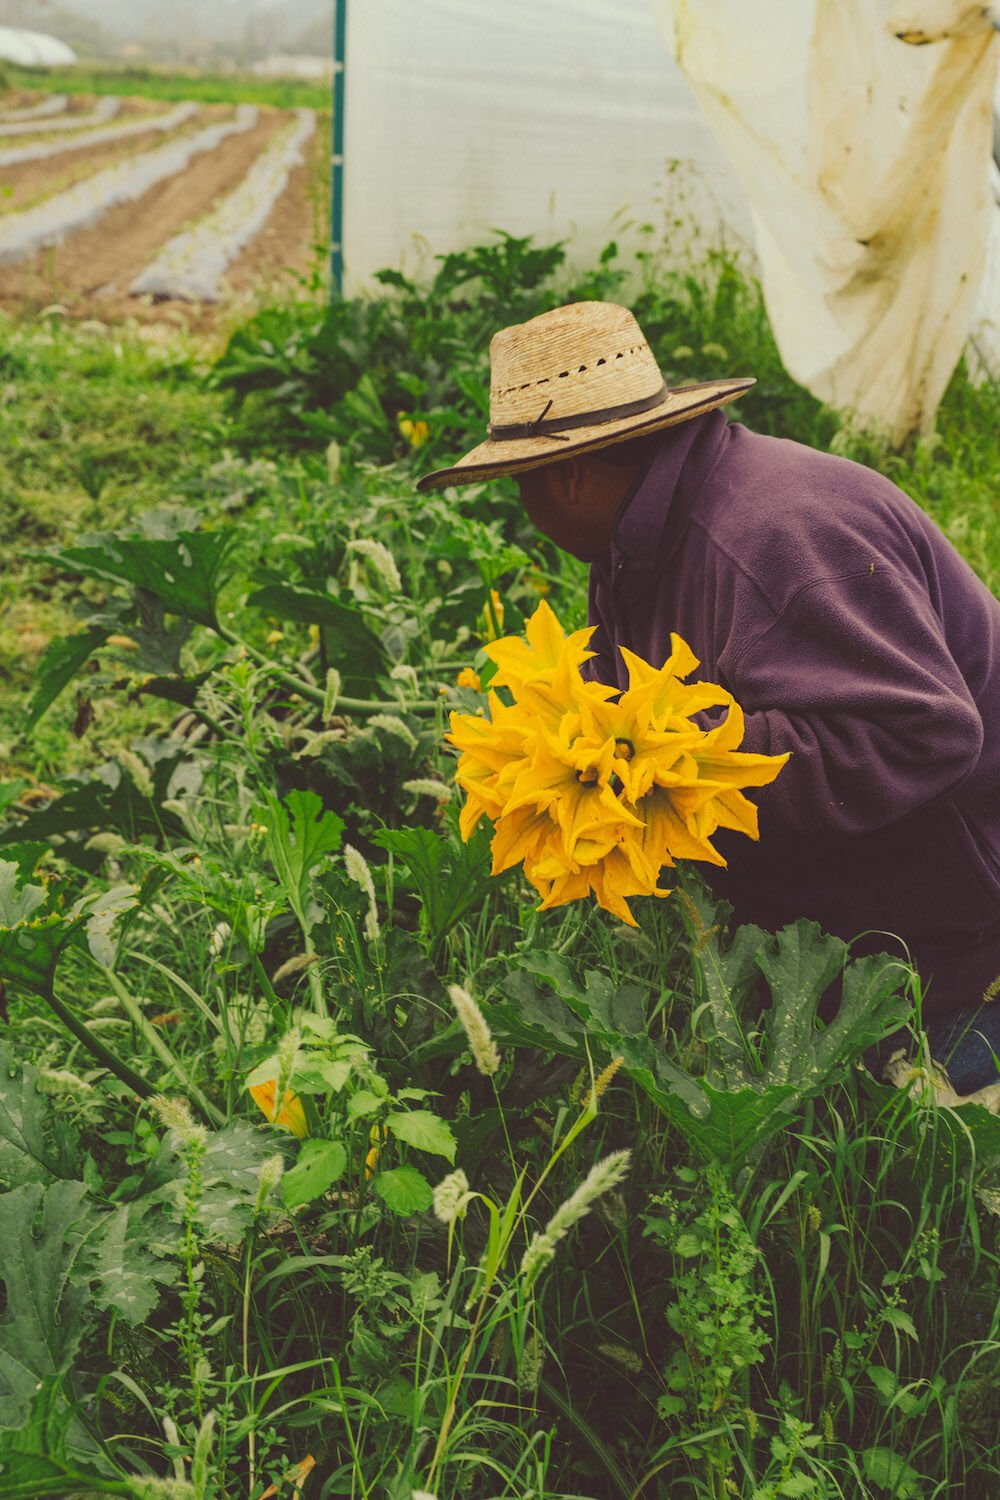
[854, 635]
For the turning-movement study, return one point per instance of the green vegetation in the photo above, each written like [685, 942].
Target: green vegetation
[152, 83]
[551, 1207]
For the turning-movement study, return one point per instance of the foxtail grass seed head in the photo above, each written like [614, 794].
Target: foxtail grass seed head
[271, 1170]
[332, 462]
[381, 560]
[426, 786]
[138, 771]
[294, 966]
[331, 692]
[176, 1116]
[602, 1177]
[221, 934]
[604, 1078]
[540, 1251]
[359, 871]
[529, 1371]
[393, 724]
[451, 1197]
[481, 1044]
[622, 1355]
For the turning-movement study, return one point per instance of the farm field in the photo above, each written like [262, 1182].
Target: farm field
[330, 1164]
[75, 231]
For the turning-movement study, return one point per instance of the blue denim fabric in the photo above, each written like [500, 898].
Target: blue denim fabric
[965, 1042]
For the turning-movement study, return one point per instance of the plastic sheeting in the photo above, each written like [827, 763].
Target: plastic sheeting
[105, 109]
[861, 131]
[193, 264]
[46, 224]
[554, 118]
[40, 150]
[33, 49]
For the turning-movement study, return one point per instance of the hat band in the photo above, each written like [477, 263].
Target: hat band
[556, 425]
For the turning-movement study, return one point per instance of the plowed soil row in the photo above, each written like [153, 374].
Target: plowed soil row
[286, 246]
[30, 182]
[91, 272]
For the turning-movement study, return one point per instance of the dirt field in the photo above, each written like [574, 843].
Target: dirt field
[91, 271]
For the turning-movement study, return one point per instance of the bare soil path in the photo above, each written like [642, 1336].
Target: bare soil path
[91, 272]
[26, 183]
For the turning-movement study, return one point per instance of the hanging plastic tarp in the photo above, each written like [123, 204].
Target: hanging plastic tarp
[560, 119]
[862, 133]
[33, 49]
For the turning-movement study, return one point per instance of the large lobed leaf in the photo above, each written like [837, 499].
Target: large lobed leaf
[43, 1233]
[181, 571]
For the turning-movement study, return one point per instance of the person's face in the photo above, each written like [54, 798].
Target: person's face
[574, 503]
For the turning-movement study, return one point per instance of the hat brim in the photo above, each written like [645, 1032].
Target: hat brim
[492, 459]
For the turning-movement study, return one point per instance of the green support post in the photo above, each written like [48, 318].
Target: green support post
[337, 162]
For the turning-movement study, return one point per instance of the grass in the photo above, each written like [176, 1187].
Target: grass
[816, 1317]
[154, 83]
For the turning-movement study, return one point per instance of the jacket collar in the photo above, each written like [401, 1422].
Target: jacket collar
[651, 518]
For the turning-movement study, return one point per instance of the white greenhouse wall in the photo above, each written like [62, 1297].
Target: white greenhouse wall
[555, 118]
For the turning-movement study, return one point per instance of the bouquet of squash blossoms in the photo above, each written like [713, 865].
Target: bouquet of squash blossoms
[593, 790]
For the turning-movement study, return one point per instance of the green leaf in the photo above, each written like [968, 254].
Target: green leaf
[42, 1234]
[37, 1461]
[885, 1468]
[126, 1270]
[318, 1075]
[319, 1165]
[424, 1131]
[362, 1103]
[100, 912]
[353, 646]
[18, 902]
[181, 571]
[896, 1317]
[451, 877]
[58, 666]
[404, 1190]
[24, 1156]
[299, 835]
[109, 801]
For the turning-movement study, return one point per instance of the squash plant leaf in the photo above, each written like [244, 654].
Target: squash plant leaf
[60, 664]
[353, 646]
[181, 571]
[299, 834]
[39, 1461]
[126, 1269]
[24, 1152]
[450, 877]
[43, 1233]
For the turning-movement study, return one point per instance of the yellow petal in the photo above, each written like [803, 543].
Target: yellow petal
[291, 1115]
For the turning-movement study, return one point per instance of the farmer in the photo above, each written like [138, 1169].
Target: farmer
[824, 599]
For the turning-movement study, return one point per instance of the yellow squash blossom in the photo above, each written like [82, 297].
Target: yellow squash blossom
[291, 1115]
[593, 791]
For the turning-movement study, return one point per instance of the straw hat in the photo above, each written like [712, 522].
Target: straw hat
[570, 381]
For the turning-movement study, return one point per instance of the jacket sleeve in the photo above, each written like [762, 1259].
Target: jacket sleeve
[855, 678]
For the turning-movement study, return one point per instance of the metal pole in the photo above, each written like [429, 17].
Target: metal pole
[337, 161]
